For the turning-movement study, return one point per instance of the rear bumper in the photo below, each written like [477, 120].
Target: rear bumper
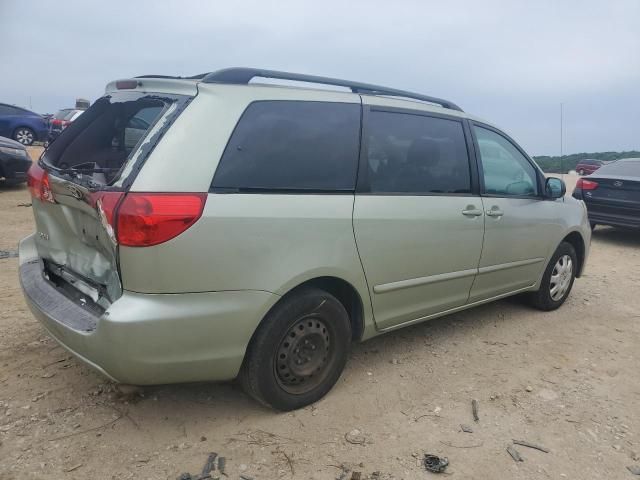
[146, 339]
[14, 168]
[614, 220]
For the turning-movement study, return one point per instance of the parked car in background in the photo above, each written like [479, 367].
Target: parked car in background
[61, 120]
[22, 125]
[588, 166]
[14, 162]
[612, 195]
[317, 218]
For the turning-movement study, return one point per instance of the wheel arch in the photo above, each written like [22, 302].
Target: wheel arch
[575, 239]
[346, 294]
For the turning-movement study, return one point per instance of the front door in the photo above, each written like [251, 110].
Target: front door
[417, 222]
[519, 223]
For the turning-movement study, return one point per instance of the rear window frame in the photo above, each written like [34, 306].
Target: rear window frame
[145, 145]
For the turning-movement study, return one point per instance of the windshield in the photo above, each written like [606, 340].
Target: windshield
[62, 113]
[70, 114]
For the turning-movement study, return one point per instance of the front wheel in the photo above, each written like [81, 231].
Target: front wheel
[299, 351]
[557, 280]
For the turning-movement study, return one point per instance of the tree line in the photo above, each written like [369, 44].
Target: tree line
[568, 162]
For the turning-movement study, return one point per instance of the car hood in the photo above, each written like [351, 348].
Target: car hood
[7, 142]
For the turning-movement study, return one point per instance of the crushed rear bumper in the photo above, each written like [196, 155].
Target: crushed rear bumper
[147, 339]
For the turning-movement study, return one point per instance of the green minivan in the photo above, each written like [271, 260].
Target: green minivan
[214, 227]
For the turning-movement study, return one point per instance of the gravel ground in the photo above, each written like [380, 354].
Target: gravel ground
[567, 380]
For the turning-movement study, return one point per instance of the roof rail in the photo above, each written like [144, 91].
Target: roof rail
[173, 77]
[242, 76]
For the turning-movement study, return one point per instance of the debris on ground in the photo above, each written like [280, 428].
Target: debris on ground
[524, 443]
[128, 392]
[355, 437]
[209, 466]
[8, 254]
[514, 454]
[23, 205]
[434, 463]
[466, 428]
[474, 409]
[634, 469]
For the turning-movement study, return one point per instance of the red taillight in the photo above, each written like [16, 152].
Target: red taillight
[586, 184]
[38, 183]
[146, 219]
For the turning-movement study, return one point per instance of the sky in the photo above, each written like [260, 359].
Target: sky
[510, 62]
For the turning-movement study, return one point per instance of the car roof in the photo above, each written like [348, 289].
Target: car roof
[18, 107]
[244, 77]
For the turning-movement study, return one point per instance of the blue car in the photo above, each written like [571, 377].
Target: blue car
[22, 125]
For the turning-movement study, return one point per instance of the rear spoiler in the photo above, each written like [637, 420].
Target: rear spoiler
[160, 85]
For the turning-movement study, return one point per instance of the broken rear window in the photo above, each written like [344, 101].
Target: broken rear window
[97, 146]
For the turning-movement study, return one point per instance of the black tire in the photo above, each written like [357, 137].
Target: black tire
[543, 298]
[24, 135]
[307, 319]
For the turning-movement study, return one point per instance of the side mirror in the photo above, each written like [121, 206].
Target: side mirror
[554, 188]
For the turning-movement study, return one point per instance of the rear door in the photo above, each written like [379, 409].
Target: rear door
[519, 222]
[418, 221]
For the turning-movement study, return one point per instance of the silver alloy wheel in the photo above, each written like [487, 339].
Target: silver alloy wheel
[561, 277]
[24, 136]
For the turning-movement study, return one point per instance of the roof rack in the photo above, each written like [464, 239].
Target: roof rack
[173, 77]
[242, 76]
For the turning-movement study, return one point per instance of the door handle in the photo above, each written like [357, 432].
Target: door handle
[494, 212]
[471, 211]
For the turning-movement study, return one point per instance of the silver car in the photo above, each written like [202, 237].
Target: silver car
[208, 228]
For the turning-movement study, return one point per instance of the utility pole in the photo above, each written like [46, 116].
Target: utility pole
[561, 151]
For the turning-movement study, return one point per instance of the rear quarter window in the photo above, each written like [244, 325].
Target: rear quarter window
[292, 145]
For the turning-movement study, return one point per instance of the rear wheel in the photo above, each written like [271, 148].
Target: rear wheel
[24, 135]
[557, 280]
[298, 352]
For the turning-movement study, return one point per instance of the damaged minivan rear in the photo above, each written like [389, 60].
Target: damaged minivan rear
[112, 184]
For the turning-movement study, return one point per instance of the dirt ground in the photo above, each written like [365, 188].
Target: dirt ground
[568, 380]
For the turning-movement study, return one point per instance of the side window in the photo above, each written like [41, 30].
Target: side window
[293, 145]
[506, 171]
[416, 154]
